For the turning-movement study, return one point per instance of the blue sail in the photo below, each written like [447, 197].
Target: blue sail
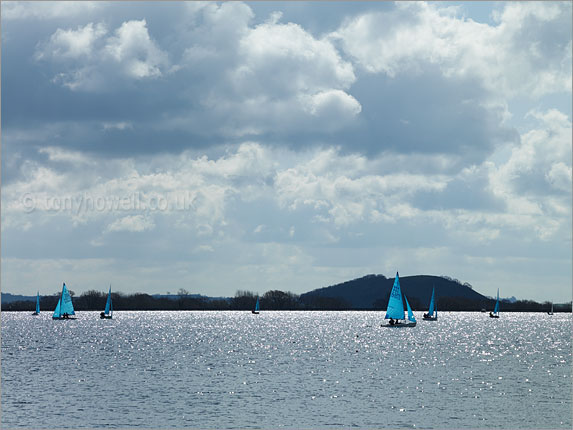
[410, 313]
[395, 305]
[496, 309]
[38, 303]
[431, 309]
[108, 306]
[58, 311]
[257, 305]
[65, 305]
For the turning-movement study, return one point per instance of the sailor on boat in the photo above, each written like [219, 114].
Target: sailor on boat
[102, 315]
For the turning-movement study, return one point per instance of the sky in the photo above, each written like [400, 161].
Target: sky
[272, 145]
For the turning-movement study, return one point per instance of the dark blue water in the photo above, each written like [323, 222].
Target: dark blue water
[291, 369]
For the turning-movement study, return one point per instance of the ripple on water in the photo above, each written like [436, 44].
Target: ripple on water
[295, 369]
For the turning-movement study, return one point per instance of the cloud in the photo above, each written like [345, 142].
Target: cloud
[233, 76]
[26, 10]
[134, 223]
[93, 60]
[559, 176]
[136, 52]
[72, 44]
[263, 79]
[256, 202]
[539, 165]
[528, 52]
[62, 155]
[332, 103]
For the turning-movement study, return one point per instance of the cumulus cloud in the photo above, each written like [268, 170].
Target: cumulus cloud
[265, 78]
[559, 176]
[135, 51]
[94, 60]
[540, 164]
[72, 44]
[508, 58]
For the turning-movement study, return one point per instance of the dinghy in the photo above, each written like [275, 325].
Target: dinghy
[64, 309]
[257, 307]
[432, 314]
[37, 312]
[495, 313]
[551, 311]
[107, 314]
[395, 311]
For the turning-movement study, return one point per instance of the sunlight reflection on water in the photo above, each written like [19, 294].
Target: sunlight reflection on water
[291, 369]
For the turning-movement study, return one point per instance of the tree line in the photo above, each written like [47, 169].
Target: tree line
[93, 300]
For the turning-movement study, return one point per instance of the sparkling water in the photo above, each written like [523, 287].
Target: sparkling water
[286, 369]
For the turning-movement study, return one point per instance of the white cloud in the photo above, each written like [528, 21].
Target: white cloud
[285, 58]
[513, 57]
[72, 44]
[320, 201]
[332, 104]
[96, 61]
[559, 176]
[543, 156]
[134, 223]
[59, 154]
[135, 51]
[262, 79]
[348, 196]
[535, 180]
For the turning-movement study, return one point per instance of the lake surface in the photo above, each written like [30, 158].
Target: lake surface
[286, 369]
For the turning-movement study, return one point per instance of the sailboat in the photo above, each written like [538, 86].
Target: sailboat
[37, 312]
[257, 307]
[551, 311]
[495, 313]
[64, 308]
[107, 314]
[395, 311]
[432, 314]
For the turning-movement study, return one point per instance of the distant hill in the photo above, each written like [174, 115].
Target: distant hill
[373, 291]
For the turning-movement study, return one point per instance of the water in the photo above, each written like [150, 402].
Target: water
[291, 369]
